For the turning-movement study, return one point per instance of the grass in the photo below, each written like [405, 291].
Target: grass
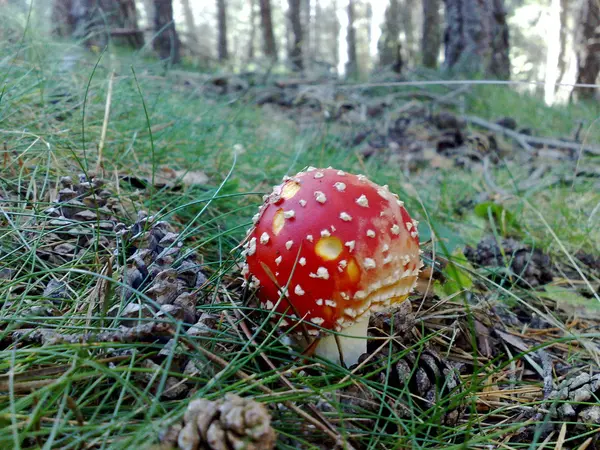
[101, 395]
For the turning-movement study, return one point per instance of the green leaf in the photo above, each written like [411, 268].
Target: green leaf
[457, 276]
[570, 301]
[504, 219]
[446, 239]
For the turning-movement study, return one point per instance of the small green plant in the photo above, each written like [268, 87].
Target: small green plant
[498, 217]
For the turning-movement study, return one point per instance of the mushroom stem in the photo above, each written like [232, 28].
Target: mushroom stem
[350, 343]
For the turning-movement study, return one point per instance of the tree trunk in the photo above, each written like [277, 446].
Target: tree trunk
[407, 13]
[190, 23]
[95, 21]
[352, 64]
[317, 31]
[564, 28]
[252, 37]
[432, 35]
[552, 38]
[307, 34]
[266, 22]
[588, 48]
[63, 21]
[166, 42]
[295, 49]
[499, 65]
[369, 25]
[125, 16]
[149, 10]
[148, 23]
[335, 35]
[467, 37]
[389, 46]
[289, 39]
[222, 21]
[476, 37]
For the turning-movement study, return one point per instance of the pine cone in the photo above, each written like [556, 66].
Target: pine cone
[79, 225]
[531, 267]
[158, 267]
[231, 423]
[173, 387]
[83, 215]
[397, 322]
[431, 380]
[83, 220]
[574, 402]
[570, 397]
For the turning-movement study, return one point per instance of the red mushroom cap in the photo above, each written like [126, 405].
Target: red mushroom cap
[343, 245]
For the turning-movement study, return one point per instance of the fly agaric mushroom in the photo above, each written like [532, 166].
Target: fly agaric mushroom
[343, 246]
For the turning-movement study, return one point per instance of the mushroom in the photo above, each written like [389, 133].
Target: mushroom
[327, 248]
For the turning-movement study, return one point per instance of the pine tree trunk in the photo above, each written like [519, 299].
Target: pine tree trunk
[306, 34]
[149, 11]
[295, 49]
[63, 21]
[190, 23]
[95, 21]
[467, 37]
[222, 21]
[266, 22]
[166, 42]
[476, 37]
[369, 24]
[252, 37]
[352, 64]
[317, 32]
[389, 46]
[432, 34]
[335, 35]
[407, 24]
[588, 48]
[552, 39]
[564, 28]
[499, 65]
[125, 16]
[88, 24]
[116, 18]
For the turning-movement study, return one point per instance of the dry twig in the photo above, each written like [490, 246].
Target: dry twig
[525, 140]
[145, 333]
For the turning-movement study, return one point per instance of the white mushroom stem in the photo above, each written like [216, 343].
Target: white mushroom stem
[352, 343]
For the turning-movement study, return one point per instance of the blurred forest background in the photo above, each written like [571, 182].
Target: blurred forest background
[541, 41]
[137, 139]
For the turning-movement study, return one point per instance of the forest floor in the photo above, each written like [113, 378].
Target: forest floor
[103, 274]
